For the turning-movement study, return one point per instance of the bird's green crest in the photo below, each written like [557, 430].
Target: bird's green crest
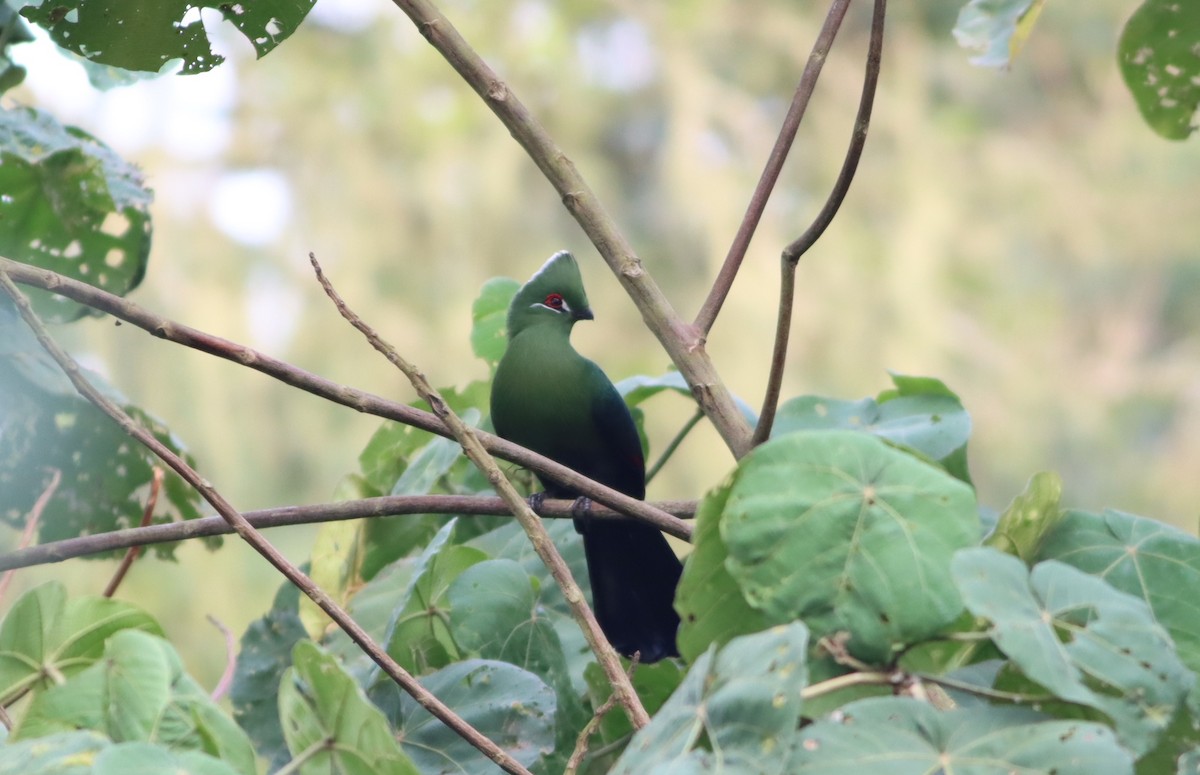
[553, 296]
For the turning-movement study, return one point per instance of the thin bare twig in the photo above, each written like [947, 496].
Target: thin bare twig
[783, 330]
[542, 543]
[251, 536]
[31, 522]
[585, 734]
[226, 679]
[358, 400]
[770, 174]
[683, 342]
[857, 140]
[131, 555]
[793, 252]
[283, 516]
[674, 445]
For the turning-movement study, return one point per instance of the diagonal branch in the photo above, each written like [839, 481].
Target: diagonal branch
[770, 174]
[683, 343]
[251, 536]
[386, 506]
[793, 252]
[359, 400]
[542, 543]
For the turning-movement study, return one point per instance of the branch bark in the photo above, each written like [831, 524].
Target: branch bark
[387, 506]
[684, 343]
[251, 536]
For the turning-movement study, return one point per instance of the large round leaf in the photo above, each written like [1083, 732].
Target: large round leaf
[848, 533]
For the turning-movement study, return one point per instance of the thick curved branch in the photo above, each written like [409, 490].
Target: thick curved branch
[263, 519]
[770, 174]
[793, 252]
[683, 342]
[346, 396]
[251, 536]
[606, 655]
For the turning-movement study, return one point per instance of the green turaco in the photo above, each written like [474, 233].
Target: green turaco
[551, 399]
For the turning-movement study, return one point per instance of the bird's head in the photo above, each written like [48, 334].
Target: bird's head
[554, 296]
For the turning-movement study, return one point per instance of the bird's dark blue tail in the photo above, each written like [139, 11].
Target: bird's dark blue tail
[634, 573]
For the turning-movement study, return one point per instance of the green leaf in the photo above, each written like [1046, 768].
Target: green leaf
[330, 725]
[69, 753]
[266, 652]
[641, 387]
[509, 705]
[139, 692]
[919, 412]
[149, 759]
[1140, 557]
[741, 703]
[654, 685]
[1080, 638]
[902, 736]
[496, 613]
[45, 635]
[72, 205]
[48, 426]
[848, 533]
[419, 637]
[1031, 515]
[1159, 54]
[711, 607]
[489, 337]
[996, 28]
[147, 36]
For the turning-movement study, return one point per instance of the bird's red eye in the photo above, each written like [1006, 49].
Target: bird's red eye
[554, 301]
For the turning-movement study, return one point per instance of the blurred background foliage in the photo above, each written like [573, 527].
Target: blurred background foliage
[1021, 235]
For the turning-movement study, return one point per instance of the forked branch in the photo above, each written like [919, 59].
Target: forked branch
[683, 342]
[770, 174]
[793, 252]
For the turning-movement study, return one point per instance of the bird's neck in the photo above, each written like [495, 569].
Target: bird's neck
[550, 340]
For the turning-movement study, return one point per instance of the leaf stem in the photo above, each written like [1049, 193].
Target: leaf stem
[674, 445]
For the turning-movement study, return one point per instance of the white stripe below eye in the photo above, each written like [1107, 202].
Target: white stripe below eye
[565, 307]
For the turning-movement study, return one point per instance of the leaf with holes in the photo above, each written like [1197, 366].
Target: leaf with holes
[1140, 557]
[846, 532]
[1159, 54]
[902, 736]
[70, 204]
[146, 36]
[1080, 638]
[47, 427]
